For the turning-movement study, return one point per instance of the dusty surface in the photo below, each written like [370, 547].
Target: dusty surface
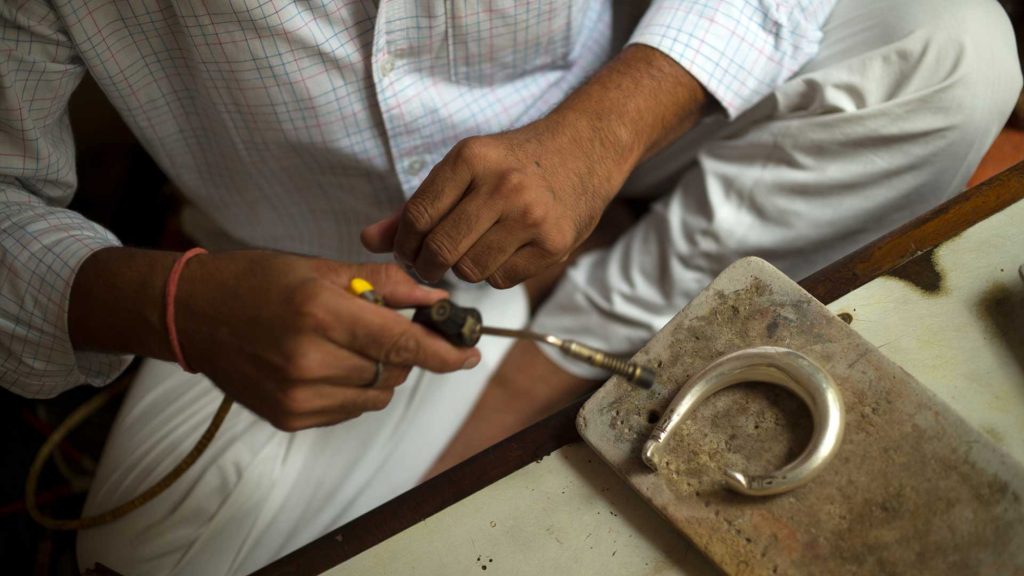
[568, 515]
[913, 489]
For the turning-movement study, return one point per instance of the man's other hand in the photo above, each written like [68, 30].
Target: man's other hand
[499, 208]
[505, 207]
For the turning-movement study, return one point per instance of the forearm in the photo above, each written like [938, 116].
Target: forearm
[635, 105]
[117, 303]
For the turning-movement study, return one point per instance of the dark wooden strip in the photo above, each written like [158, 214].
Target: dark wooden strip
[99, 569]
[920, 235]
[876, 259]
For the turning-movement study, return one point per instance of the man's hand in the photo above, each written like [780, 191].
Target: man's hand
[278, 333]
[504, 207]
[500, 208]
[282, 334]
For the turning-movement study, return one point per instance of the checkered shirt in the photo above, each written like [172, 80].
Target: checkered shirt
[291, 125]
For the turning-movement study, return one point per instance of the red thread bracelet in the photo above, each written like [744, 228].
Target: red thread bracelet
[171, 292]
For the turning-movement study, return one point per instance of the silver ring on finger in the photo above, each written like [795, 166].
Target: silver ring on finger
[378, 370]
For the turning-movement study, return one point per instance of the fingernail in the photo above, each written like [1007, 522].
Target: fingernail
[411, 271]
[440, 292]
[471, 363]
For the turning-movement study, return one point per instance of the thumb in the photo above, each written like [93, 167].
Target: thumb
[379, 237]
[397, 288]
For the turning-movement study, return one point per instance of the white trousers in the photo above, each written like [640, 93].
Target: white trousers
[889, 119]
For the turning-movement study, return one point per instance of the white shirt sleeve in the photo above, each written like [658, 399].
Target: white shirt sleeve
[739, 50]
[41, 244]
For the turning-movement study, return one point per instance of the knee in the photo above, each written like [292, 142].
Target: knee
[969, 58]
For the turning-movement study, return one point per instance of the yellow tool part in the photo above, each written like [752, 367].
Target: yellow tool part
[359, 286]
[362, 288]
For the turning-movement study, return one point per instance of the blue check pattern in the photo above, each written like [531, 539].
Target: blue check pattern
[291, 125]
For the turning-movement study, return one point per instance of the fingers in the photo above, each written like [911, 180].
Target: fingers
[490, 252]
[373, 331]
[397, 289]
[323, 362]
[365, 375]
[440, 192]
[314, 405]
[379, 237]
[526, 262]
[345, 385]
[460, 230]
[480, 205]
[382, 334]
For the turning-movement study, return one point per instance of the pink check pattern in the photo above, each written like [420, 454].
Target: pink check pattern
[291, 125]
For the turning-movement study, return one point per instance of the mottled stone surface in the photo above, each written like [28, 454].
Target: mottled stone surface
[913, 488]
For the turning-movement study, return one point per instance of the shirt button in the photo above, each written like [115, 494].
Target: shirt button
[414, 166]
[386, 66]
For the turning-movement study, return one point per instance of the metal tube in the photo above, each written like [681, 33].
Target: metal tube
[631, 371]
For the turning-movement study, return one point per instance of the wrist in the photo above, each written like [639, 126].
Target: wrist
[170, 297]
[607, 152]
[635, 105]
[117, 303]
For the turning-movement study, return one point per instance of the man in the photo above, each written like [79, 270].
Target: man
[292, 127]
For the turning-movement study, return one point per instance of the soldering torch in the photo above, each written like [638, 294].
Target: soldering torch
[463, 326]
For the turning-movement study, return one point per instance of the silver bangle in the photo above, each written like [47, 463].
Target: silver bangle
[784, 367]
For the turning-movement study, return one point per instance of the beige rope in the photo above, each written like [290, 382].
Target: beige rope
[77, 417]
